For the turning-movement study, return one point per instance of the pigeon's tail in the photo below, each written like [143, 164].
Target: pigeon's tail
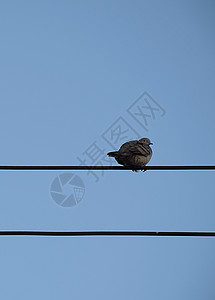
[112, 154]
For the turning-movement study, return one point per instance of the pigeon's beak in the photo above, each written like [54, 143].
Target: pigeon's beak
[150, 143]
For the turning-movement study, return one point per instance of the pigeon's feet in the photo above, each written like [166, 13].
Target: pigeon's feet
[143, 169]
[134, 168]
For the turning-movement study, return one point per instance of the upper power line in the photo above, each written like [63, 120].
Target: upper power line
[182, 168]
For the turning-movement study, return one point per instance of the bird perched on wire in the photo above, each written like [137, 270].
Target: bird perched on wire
[135, 154]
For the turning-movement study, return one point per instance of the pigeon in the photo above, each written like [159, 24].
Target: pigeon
[135, 154]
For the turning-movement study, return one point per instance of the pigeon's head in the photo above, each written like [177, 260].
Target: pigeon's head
[145, 141]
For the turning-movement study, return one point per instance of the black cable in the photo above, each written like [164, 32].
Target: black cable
[110, 233]
[53, 168]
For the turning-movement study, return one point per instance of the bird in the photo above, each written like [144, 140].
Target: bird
[135, 154]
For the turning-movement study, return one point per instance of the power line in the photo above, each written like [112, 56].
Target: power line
[110, 233]
[115, 168]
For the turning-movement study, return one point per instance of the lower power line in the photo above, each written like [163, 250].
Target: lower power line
[109, 233]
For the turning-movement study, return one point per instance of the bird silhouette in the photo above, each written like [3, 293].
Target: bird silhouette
[135, 154]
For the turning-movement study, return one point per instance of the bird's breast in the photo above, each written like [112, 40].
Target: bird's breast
[141, 160]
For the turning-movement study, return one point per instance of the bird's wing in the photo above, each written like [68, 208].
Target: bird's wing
[124, 149]
[139, 149]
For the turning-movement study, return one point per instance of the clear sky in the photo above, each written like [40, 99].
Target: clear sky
[69, 72]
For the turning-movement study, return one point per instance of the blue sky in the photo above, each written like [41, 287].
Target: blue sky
[68, 71]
